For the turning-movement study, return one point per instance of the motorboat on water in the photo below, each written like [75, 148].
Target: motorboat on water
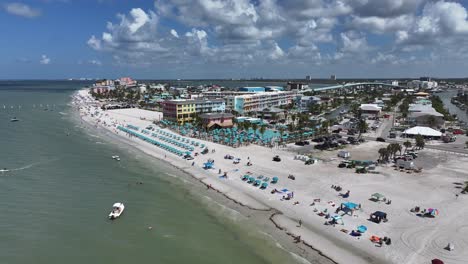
[14, 119]
[117, 158]
[117, 210]
[4, 170]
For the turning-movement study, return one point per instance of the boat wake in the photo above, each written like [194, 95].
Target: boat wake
[62, 113]
[32, 165]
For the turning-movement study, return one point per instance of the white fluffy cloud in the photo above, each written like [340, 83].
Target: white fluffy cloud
[21, 9]
[44, 60]
[241, 32]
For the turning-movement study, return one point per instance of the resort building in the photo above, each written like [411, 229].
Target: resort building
[258, 101]
[217, 120]
[222, 94]
[185, 110]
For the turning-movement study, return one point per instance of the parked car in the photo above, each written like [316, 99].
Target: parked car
[342, 165]
[380, 139]
[392, 135]
[318, 140]
[351, 132]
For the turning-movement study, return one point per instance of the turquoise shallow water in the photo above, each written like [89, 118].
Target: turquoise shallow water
[55, 200]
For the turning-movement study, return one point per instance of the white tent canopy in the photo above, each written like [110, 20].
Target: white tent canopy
[423, 131]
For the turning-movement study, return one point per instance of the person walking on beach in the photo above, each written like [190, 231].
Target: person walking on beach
[300, 222]
[193, 163]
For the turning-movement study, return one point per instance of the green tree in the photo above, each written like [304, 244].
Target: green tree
[262, 130]
[362, 127]
[383, 154]
[420, 142]
[255, 127]
[407, 145]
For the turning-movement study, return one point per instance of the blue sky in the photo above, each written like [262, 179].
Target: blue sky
[52, 39]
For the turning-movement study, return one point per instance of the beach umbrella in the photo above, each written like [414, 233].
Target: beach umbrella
[264, 185]
[437, 261]
[257, 182]
[274, 180]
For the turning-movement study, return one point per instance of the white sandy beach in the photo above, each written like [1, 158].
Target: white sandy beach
[414, 239]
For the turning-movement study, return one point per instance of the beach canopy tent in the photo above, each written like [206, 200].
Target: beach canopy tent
[378, 216]
[348, 207]
[207, 165]
[423, 131]
[337, 219]
[378, 196]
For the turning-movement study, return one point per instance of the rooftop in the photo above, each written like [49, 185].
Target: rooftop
[199, 101]
[217, 115]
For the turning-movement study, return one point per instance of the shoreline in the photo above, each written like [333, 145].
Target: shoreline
[280, 236]
[321, 241]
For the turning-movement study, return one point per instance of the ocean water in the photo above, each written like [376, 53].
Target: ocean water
[62, 182]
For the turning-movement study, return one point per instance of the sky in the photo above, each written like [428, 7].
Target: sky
[200, 39]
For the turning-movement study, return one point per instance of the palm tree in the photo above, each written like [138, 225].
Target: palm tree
[281, 131]
[383, 153]
[362, 127]
[293, 118]
[254, 127]
[407, 145]
[397, 147]
[262, 130]
[420, 142]
[240, 125]
[390, 149]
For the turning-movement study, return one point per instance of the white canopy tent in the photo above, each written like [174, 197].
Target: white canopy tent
[423, 131]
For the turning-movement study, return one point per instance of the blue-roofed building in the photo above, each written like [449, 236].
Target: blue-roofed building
[252, 89]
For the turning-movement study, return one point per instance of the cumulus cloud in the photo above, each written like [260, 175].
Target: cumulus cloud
[174, 33]
[313, 32]
[20, 9]
[44, 60]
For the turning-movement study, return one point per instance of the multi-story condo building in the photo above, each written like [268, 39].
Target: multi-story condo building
[258, 101]
[185, 110]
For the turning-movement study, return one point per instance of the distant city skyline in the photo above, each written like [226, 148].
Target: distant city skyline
[222, 39]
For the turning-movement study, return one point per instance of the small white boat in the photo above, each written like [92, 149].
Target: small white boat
[14, 119]
[4, 170]
[117, 158]
[117, 210]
